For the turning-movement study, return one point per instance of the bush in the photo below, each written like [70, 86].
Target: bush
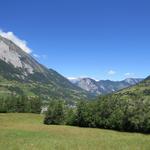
[55, 114]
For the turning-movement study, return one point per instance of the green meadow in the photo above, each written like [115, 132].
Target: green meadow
[27, 132]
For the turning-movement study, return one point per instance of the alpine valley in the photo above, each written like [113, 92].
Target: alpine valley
[21, 74]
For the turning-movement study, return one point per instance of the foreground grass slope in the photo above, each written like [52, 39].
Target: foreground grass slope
[26, 131]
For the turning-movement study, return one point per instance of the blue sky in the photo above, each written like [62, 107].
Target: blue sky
[102, 39]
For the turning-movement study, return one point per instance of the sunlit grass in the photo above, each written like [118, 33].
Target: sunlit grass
[27, 132]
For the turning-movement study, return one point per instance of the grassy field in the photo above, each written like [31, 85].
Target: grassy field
[27, 132]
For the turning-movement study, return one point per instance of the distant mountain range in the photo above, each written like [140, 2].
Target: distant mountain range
[141, 89]
[104, 86]
[21, 74]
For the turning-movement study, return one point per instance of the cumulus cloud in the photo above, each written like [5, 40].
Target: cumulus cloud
[21, 43]
[71, 78]
[111, 72]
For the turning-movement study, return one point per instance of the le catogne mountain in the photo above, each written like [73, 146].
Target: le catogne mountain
[21, 74]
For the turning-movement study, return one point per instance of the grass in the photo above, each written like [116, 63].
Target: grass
[27, 132]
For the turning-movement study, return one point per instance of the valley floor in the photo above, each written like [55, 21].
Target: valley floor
[27, 132]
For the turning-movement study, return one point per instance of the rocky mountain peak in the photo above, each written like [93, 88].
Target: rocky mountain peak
[104, 86]
[14, 55]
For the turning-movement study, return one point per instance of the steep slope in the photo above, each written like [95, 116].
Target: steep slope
[20, 73]
[104, 86]
[141, 89]
[128, 109]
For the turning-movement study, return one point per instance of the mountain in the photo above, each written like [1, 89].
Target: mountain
[104, 86]
[21, 74]
[127, 109]
[141, 89]
[87, 84]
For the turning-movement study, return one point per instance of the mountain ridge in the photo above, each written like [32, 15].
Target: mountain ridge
[19, 71]
[102, 87]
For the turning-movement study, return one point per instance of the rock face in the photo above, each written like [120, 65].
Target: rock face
[104, 86]
[88, 84]
[12, 54]
[28, 76]
[9, 56]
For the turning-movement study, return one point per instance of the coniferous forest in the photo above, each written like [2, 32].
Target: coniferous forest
[20, 104]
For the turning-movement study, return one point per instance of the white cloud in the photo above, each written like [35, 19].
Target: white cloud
[111, 72]
[21, 43]
[36, 56]
[71, 78]
[128, 74]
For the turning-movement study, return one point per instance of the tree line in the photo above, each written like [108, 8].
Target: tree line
[108, 112]
[119, 112]
[20, 104]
